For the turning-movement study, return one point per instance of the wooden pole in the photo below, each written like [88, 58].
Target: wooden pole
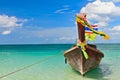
[81, 32]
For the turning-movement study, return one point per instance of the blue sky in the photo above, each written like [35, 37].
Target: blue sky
[53, 21]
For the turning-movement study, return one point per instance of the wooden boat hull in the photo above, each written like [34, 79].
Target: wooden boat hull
[77, 61]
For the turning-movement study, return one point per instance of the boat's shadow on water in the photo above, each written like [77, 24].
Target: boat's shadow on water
[99, 73]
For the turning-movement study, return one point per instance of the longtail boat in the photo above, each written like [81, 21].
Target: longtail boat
[75, 56]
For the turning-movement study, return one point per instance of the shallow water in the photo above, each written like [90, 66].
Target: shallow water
[46, 62]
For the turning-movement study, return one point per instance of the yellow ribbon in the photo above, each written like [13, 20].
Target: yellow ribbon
[82, 45]
[85, 23]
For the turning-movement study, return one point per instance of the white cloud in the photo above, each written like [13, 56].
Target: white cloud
[116, 0]
[114, 34]
[89, 0]
[100, 11]
[67, 38]
[60, 11]
[116, 28]
[104, 13]
[102, 23]
[64, 9]
[48, 35]
[112, 0]
[8, 23]
[58, 34]
[6, 32]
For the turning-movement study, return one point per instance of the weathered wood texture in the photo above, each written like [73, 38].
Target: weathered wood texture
[77, 61]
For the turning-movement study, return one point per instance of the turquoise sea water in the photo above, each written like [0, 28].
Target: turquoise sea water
[46, 62]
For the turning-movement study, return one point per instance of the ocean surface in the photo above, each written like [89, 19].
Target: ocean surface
[46, 62]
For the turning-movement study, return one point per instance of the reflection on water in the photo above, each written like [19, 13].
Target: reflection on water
[100, 73]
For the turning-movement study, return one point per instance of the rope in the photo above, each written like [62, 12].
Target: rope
[28, 66]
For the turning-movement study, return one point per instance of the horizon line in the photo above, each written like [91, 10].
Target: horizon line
[52, 43]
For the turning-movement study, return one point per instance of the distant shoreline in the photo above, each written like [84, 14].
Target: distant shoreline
[58, 44]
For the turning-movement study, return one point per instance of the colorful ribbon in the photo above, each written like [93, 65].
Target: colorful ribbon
[85, 23]
[83, 44]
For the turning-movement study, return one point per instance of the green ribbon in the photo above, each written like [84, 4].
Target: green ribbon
[84, 52]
